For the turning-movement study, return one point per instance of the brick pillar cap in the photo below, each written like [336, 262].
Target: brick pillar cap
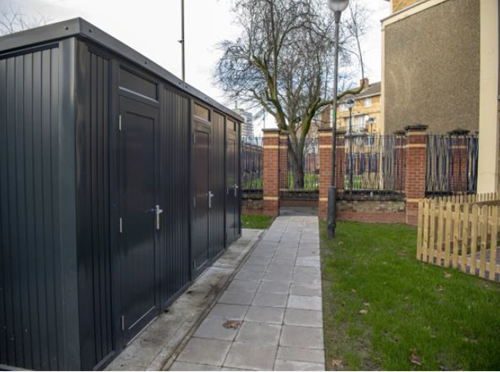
[459, 132]
[416, 128]
[324, 130]
[272, 130]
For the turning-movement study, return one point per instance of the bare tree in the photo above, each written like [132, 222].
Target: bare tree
[14, 20]
[282, 61]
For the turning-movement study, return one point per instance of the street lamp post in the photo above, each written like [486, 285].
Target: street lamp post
[336, 6]
[182, 41]
[371, 122]
[350, 104]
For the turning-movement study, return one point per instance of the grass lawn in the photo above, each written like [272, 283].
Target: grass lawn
[385, 310]
[256, 222]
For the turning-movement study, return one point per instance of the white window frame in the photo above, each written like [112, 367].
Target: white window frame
[368, 102]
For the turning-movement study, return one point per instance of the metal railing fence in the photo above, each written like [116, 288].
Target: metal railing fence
[375, 163]
[252, 163]
[452, 163]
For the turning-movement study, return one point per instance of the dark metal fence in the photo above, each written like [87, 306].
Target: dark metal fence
[452, 162]
[252, 159]
[303, 175]
[375, 163]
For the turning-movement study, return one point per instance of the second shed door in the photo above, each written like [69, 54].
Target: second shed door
[138, 200]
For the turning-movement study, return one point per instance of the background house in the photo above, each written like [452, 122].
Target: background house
[368, 105]
[440, 67]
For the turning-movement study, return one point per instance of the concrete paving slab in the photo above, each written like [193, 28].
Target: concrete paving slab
[304, 289]
[306, 278]
[213, 328]
[247, 275]
[301, 355]
[270, 299]
[281, 277]
[243, 286]
[288, 365]
[259, 333]
[202, 351]
[303, 318]
[228, 312]
[255, 267]
[302, 337]
[272, 315]
[305, 303]
[275, 287]
[237, 298]
[181, 366]
[259, 357]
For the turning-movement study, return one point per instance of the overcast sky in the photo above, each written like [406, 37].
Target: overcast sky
[153, 28]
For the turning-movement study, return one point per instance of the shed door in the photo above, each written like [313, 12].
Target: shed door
[201, 225]
[137, 161]
[232, 217]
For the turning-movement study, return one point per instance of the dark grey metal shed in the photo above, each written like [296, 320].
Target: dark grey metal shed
[119, 185]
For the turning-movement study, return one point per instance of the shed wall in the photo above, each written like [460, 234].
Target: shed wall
[31, 311]
[93, 206]
[176, 192]
[218, 186]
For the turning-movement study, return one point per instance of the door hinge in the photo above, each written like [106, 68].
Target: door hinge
[123, 322]
[120, 123]
[120, 223]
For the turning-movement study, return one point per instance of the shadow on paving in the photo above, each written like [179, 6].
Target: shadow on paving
[298, 211]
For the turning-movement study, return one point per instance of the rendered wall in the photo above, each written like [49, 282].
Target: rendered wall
[432, 67]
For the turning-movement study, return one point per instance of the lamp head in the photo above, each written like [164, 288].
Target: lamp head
[350, 103]
[338, 5]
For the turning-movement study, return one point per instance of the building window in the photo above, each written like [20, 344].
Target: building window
[201, 112]
[368, 102]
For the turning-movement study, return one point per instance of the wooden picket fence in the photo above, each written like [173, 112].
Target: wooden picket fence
[461, 232]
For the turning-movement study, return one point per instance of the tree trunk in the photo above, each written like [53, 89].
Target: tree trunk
[296, 160]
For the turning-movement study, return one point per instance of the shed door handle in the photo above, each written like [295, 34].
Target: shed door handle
[158, 213]
[210, 196]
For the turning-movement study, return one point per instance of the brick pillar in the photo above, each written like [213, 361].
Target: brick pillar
[283, 164]
[271, 187]
[325, 164]
[416, 161]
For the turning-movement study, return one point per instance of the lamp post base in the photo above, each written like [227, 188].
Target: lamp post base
[332, 211]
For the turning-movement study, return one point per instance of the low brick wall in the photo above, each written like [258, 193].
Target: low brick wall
[252, 204]
[373, 211]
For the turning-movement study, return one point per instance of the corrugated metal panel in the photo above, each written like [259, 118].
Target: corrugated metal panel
[30, 282]
[175, 193]
[218, 188]
[93, 207]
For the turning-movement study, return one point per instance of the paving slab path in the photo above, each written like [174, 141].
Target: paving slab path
[270, 317]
